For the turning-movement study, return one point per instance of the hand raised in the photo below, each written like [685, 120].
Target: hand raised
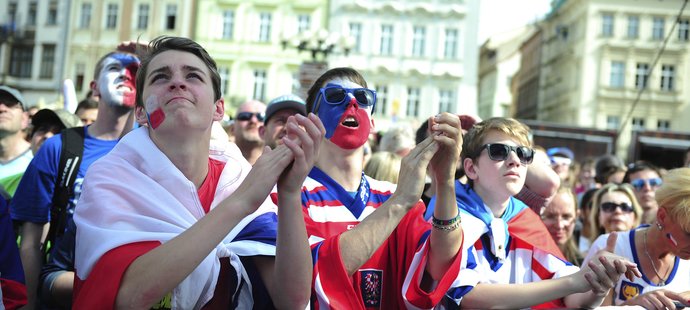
[303, 138]
[446, 130]
[412, 172]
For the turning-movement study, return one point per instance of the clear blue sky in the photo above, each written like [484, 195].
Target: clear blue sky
[497, 16]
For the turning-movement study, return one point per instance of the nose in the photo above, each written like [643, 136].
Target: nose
[513, 159]
[177, 81]
[353, 101]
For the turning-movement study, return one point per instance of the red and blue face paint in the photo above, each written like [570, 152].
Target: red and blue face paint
[156, 117]
[347, 123]
[116, 81]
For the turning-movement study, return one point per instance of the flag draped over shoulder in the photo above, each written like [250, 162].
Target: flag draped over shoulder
[513, 248]
[136, 194]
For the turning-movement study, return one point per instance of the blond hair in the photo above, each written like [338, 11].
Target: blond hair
[473, 141]
[595, 229]
[674, 196]
[383, 166]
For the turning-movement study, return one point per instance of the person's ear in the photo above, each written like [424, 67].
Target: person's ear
[373, 126]
[219, 110]
[470, 169]
[94, 89]
[141, 117]
[262, 130]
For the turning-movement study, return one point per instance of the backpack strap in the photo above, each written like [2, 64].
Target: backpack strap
[70, 161]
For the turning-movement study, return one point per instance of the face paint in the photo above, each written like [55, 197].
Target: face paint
[116, 81]
[333, 116]
[156, 117]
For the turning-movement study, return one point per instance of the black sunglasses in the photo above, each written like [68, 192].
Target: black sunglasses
[245, 116]
[500, 151]
[610, 207]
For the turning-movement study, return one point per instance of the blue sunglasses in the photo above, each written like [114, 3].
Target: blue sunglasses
[639, 184]
[336, 95]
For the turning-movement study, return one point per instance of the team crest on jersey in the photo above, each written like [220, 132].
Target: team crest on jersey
[371, 285]
[629, 290]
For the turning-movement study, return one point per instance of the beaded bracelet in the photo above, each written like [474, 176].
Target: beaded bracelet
[447, 228]
[452, 221]
[447, 225]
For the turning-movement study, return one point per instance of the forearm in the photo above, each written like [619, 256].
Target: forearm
[159, 271]
[542, 180]
[444, 244]
[357, 245]
[588, 300]
[32, 257]
[293, 262]
[516, 296]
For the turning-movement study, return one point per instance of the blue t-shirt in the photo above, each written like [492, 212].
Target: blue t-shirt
[33, 199]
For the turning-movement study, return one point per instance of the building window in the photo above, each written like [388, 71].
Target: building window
[418, 36]
[264, 27]
[170, 16]
[633, 27]
[617, 74]
[31, 15]
[79, 68]
[446, 101]
[413, 102]
[451, 44]
[607, 25]
[85, 17]
[381, 96]
[641, 75]
[613, 122]
[228, 24]
[21, 59]
[663, 124]
[667, 72]
[658, 28]
[52, 13]
[143, 18]
[356, 34]
[111, 16]
[47, 61]
[303, 22]
[12, 11]
[386, 40]
[637, 123]
[259, 84]
[224, 73]
[683, 30]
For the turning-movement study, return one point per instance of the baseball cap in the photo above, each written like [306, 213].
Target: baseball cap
[288, 101]
[60, 117]
[14, 93]
[560, 151]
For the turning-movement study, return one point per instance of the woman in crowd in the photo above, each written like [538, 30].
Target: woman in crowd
[614, 208]
[660, 250]
[645, 179]
[560, 217]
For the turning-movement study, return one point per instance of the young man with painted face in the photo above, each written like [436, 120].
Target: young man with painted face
[370, 244]
[114, 84]
[192, 224]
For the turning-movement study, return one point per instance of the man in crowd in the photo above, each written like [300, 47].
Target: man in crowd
[277, 113]
[35, 206]
[249, 117]
[15, 153]
[47, 123]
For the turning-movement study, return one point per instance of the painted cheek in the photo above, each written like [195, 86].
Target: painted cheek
[156, 118]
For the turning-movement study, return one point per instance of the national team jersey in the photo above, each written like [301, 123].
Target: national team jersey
[391, 278]
[678, 279]
[513, 249]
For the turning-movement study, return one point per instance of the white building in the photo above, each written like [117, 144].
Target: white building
[420, 56]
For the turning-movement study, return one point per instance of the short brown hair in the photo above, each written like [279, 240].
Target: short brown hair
[168, 43]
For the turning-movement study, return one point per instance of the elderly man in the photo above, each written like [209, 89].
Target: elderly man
[277, 113]
[15, 154]
[249, 117]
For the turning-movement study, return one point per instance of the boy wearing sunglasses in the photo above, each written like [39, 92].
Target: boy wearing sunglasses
[645, 180]
[512, 261]
[370, 244]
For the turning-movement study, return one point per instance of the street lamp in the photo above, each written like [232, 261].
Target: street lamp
[319, 44]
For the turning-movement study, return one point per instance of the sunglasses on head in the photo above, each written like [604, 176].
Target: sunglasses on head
[639, 184]
[245, 116]
[610, 207]
[336, 95]
[500, 152]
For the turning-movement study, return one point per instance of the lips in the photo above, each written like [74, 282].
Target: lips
[349, 121]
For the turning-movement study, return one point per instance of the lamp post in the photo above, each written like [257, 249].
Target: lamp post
[320, 44]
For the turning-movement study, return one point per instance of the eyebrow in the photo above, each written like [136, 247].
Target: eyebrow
[167, 70]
